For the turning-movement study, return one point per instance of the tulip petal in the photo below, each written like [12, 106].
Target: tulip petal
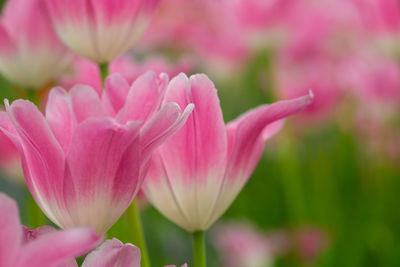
[56, 247]
[11, 233]
[43, 159]
[86, 103]
[60, 117]
[163, 125]
[98, 148]
[144, 97]
[113, 253]
[246, 143]
[116, 91]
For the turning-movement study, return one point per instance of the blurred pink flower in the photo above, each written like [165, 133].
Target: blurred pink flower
[296, 80]
[380, 16]
[207, 29]
[310, 243]
[242, 245]
[100, 30]
[197, 174]
[20, 247]
[85, 160]
[86, 72]
[30, 52]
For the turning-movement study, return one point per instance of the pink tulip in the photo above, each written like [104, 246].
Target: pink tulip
[196, 175]
[113, 253]
[100, 30]
[30, 52]
[243, 245]
[84, 161]
[44, 246]
[206, 28]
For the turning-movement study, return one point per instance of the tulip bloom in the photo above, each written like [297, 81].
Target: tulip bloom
[30, 51]
[82, 166]
[196, 175]
[113, 253]
[20, 247]
[100, 30]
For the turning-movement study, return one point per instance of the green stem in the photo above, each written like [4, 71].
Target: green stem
[292, 179]
[137, 235]
[104, 69]
[199, 249]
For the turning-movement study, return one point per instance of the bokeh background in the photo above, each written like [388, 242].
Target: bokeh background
[327, 188]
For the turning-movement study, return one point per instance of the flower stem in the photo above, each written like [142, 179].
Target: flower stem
[137, 235]
[199, 249]
[104, 69]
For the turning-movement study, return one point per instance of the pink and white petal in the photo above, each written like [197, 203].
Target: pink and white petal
[160, 193]
[43, 159]
[195, 157]
[58, 247]
[113, 253]
[10, 231]
[6, 43]
[144, 97]
[246, 143]
[162, 126]
[116, 91]
[86, 103]
[97, 151]
[60, 116]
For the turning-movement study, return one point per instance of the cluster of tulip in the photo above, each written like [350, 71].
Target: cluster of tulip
[103, 140]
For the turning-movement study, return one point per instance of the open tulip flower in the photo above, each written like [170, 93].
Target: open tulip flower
[196, 175]
[85, 160]
[100, 30]
[20, 247]
[30, 53]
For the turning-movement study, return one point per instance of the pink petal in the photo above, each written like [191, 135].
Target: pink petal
[113, 253]
[97, 165]
[245, 147]
[60, 116]
[86, 103]
[10, 231]
[6, 44]
[43, 159]
[116, 91]
[246, 143]
[144, 97]
[161, 126]
[57, 247]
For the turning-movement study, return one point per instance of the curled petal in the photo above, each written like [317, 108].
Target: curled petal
[246, 137]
